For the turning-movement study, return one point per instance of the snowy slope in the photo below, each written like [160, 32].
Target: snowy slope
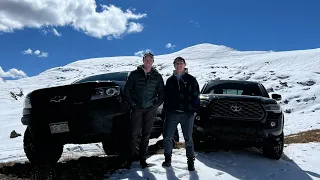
[293, 74]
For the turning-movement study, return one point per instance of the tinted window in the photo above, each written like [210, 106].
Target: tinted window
[234, 89]
[105, 77]
[265, 93]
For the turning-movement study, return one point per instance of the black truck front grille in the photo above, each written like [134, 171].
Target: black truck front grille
[236, 110]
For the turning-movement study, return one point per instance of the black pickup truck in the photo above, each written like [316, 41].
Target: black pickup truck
[89, 110]
[240, 112]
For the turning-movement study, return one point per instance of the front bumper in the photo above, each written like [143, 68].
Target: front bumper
[76, 123]
[239, 129]
[231, 132]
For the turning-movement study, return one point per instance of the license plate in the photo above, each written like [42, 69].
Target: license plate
[59, 127]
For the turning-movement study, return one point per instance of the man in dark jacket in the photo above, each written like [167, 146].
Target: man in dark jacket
[181, 101]
[144, 91]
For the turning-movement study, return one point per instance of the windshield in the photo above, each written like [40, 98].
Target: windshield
[117, 76]
[234, 89]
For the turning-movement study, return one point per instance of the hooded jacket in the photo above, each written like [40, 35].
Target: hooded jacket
[182, 93]
[144, 90]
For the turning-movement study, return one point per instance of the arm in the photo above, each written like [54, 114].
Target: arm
[160, 92]
[196, 96]
[128, 89]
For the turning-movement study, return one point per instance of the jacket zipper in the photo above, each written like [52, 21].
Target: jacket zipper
[184, 83]
[147, 77]
[145, 90]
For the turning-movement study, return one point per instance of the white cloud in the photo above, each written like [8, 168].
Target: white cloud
[12, 73]
[141, 53]
[79, 14]
[169, 45]
[28, 51]
[36, 52]
[44, 55]
[55, 32]
[135, 27]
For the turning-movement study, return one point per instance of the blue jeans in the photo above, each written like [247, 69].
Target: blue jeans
[186, 120]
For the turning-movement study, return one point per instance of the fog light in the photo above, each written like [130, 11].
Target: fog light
[273, 124]
[198, 118]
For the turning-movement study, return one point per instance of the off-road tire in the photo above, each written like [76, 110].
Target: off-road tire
[44, 153]
[273, 147]
[118, 141]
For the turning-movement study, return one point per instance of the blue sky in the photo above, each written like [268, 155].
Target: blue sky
[242, 25]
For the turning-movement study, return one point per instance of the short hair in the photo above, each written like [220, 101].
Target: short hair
[179, 59]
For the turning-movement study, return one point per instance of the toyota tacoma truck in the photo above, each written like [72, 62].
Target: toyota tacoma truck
[240, 112]
[89, 110]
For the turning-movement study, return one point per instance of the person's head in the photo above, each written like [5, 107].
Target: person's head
[148, 60]
[179, 64]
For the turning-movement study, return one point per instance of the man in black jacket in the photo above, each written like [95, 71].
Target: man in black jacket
[181, 101]
[144, 91]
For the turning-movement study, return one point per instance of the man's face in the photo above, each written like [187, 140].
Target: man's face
[179, 66]
[148, 61]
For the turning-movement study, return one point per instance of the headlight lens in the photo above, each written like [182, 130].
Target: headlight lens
[273, 107]
[111, 91]
[105, 92]
[99, 92]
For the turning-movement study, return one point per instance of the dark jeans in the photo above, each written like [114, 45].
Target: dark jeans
[186, 120]
[141, 121]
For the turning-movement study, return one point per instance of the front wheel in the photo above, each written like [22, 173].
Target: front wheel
[43, 153]
[118, 141]
[273, 147]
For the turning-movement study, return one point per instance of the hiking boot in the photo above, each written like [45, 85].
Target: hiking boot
[191, 164]
[167, 161]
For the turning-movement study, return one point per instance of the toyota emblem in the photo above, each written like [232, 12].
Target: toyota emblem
[235, 108]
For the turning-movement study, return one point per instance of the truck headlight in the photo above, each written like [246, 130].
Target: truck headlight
[105, 92]
[273, 107]
[112, 91]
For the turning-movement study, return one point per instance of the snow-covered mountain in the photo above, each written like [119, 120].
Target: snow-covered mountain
[293, 74]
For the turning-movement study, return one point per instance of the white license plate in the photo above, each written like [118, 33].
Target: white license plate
[59, 127]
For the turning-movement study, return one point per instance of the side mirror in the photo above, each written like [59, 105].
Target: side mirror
[276, 97]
